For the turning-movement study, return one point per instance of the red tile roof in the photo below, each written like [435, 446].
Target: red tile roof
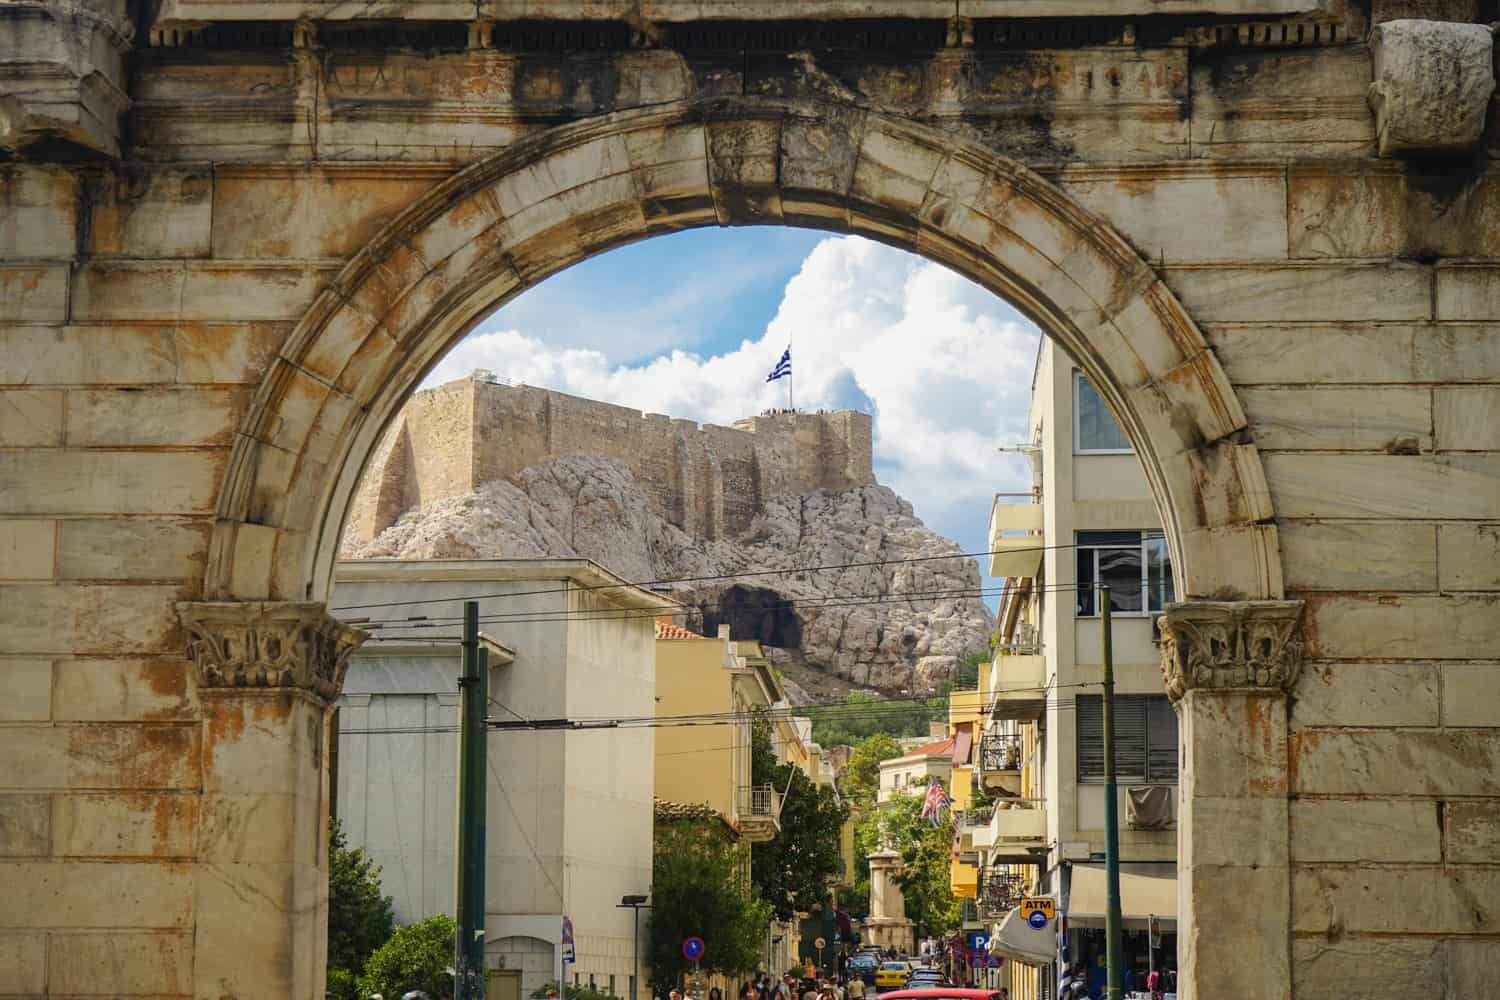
[666, 630]
[941, 748]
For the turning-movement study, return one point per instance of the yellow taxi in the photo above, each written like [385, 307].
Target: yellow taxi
[892, 975]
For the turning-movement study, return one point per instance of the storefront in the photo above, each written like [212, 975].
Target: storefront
[1148, 902]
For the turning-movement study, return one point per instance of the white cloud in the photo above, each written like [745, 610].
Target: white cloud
[945, 366]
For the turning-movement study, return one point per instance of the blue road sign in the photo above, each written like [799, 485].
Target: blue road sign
[1037, 919]
[692, 948]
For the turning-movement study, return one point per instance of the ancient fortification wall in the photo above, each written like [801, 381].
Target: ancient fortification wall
[710, 481]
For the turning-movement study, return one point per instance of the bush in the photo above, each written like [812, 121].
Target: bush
[416, 957]
[342, 985]
[574, 992]
[360, 918]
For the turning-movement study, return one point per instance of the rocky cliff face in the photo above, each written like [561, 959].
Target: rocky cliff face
[873, 617]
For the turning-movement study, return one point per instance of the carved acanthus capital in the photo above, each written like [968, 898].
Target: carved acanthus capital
[1231, 644]
[269, 644]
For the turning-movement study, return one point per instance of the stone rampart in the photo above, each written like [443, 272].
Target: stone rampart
[708, 480]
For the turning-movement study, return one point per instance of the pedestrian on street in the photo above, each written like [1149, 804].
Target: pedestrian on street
[857, 988]
[714, 993]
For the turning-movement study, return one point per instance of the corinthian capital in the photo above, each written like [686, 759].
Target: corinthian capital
[1230, 644]
[268, 644]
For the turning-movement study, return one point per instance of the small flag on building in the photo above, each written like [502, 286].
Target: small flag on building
[783, 367]
[935, 802]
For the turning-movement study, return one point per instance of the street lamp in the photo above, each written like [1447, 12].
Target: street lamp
[634, 904]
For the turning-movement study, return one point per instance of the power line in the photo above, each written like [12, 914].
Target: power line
[645, 584]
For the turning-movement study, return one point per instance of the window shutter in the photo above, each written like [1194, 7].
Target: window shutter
[1130, 738]
[1090, 719]
[1161, 751]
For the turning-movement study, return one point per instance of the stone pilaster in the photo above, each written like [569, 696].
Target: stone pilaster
[1228, 667]
[267, 675]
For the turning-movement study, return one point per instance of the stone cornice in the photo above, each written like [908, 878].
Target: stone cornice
[1231, 644]
[268, 644]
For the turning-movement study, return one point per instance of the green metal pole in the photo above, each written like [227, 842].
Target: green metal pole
[1113, 946]
[472, 771]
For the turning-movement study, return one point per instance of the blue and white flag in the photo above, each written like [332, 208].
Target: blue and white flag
[783, 367]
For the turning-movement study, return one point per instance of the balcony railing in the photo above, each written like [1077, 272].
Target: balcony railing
[999, 752]
[759, 808]
[758, 801]
[999, 892]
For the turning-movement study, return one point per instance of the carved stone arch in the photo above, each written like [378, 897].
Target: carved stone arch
[506, 223]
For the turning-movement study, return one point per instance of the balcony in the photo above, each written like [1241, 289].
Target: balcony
[759, 813]
[1017, 685]
[1017, 832]
[1000, 763]
[1015, 536]
[999, 891]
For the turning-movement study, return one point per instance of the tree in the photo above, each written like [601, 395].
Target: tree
[862, 774]
[927, 853]
[360, 918]
[795, 869]
[863, 714]
[698, 887]
[416, 957]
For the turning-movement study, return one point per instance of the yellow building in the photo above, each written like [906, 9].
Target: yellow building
[710, 764]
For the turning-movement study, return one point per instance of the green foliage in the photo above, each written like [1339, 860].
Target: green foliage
[927, 853]
[835, 725]
[698, 886]
[416, 957]
[360, 918]
[967, 674]
[342, 985]
[862, 774]
[793, 871]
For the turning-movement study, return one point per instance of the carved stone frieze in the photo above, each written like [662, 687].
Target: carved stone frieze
[266, 644]
[1432, 87]
[1230, 644]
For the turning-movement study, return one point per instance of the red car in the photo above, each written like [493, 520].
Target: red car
[941, 993]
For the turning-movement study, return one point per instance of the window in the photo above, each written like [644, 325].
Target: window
[1135, 565]
[1094, 427]
[1145, 738]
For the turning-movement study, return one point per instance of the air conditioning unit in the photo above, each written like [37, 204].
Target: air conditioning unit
[1149, 807]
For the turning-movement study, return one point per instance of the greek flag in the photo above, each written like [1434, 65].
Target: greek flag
[783, 367]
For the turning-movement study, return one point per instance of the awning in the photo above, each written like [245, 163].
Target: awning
[1019, 941]
[962, 743]
[1145, 891]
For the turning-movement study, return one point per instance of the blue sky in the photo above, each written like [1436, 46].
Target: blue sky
[689, 324]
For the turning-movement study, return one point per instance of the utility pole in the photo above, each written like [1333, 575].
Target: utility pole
[473, 765]
[1113, 952]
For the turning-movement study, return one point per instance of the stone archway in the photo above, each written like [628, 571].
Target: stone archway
[506, 223]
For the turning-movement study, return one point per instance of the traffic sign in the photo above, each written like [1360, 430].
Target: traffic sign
[692, 948]
[1038, 911]
[995, 961]
[568, 952]
[820, 944]
[978, 940]
[976, 960]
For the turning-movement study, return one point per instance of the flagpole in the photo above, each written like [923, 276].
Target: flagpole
[790, 374]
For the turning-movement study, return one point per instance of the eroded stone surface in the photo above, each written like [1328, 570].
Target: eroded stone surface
[1432, 86]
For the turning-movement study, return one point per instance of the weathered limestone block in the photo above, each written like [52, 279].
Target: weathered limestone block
[1366, 830]
[24, 826]
[1368, 694]
[1471, 831]
[23, 962]
[1355, 555]
[148, 964]
[27, 548]
[1329, 900]
[1396, 762]
[123, 690]
[1433, 82]
[63, 72]
[1471, 694]
[1473, 968]
[1427, 10]
[1364, 967]
[28, 690]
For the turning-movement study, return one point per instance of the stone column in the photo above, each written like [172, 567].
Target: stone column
[268, 673]
[1228, 667]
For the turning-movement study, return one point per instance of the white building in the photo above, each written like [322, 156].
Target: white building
[569, 823]
[1089, 519]
[910, 773]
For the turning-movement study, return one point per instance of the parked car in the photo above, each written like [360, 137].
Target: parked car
[865, 967]
[923, 978]
[892, 975]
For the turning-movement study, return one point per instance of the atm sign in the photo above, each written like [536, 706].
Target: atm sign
[1038, 904]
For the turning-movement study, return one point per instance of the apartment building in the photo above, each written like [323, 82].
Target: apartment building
[1087, 521]
[569, 814]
